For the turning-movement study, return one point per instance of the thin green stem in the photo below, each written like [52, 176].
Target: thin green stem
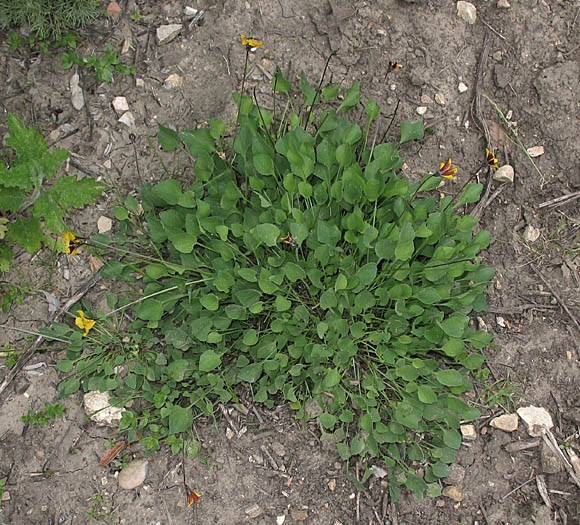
[243, 84]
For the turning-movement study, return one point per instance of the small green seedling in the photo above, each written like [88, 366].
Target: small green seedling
[43, 417]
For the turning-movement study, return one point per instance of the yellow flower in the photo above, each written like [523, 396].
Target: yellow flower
[251, 42]
[491, 159]
[446, 171]
[71, 243]
[193, 497]
[83, 322]
[289, 240]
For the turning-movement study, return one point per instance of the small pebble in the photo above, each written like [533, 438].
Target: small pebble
[76, 92]
[128, 119]
[453, 492]
[189, 12]
[504, 174]
[254, 511]
[120, 104]
[173, 81]
[440, 99]
[104, 224]
[467, 11]
[167, 33]
[505, 422]
[468, 432]
[421, 110]
[426, 99]
[536, 418]
[134, 474]
[114, 10]
[503, 4]
[535, 151]
[462, 87]
[531, 233]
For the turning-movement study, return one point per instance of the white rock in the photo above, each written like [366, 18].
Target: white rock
[426, 99]
[189, 12]
[440, 99]
[120, 104]
[104, 224]
[99, 409]
[500, 321]
[139, 82]
[462, 87]
[504, 174]
[503, 4]
[173, 81]
[134, 474]
[128, 119]
[468, 432]
[505, 422]
[280, 519]
[421, 110]
[466, 11]
[536, 418]
[76, 93]
[531, 233]
[167, 33]
[535, 151]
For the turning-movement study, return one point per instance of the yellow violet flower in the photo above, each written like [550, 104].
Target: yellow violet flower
[83, 322]
[446, 171]
[289, 240]
[251, 42]
[71, 243]
[491, 159]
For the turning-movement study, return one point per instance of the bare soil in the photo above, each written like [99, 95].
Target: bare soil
[532, 73]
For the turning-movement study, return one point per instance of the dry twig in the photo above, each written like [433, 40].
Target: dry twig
[556, 296]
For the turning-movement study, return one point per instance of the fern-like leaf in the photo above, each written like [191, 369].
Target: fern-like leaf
[34, 163]
[71, 193]
[10, 199]
[27, 232]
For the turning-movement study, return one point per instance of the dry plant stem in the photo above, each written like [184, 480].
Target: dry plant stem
[560, 201]
[543, 490]
[476, 106]
[562, 304]
[517, 488]
[24, 358]
[552, 444]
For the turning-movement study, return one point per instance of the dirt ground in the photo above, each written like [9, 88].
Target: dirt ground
[278, 470]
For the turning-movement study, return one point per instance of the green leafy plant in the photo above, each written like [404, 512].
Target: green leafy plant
[300, 266]
[29, 211]
[46, 46]
[48, 18]
[43, 417]
[3, 482]
[104, 67]
[10, 294]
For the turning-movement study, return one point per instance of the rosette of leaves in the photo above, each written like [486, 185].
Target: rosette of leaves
[301, 265]
[29, 210]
